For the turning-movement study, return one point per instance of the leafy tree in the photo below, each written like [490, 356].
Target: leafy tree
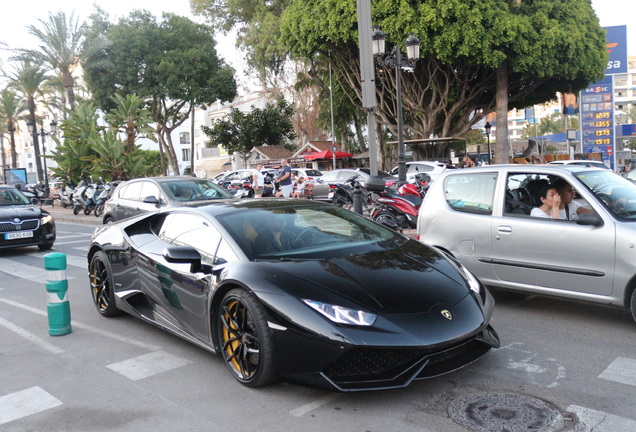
[239, 132]
[539, 47]
[172, 64]
[28, 78]
[11, 109]
[130, 117]
[61, 44]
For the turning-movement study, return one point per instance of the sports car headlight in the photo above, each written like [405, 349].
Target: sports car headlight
[342, 315]
[46, 219]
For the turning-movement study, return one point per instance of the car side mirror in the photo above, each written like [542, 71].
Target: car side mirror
[589, 220]
[151, 200]
[186, 255]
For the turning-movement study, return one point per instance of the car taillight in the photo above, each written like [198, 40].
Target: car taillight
[332, 186]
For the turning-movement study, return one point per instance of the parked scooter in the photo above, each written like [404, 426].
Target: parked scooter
[103, 196]
[79, 198]
[66, 194]
[398, 209]
[91, 193]
[341, 195]
[245, 192]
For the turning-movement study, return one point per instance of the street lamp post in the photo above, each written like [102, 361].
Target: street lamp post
[33, 129]
[487, 127]
[394, 60]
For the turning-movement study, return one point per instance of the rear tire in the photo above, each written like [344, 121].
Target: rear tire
[246, 341]
[633, 305]
[387, 219]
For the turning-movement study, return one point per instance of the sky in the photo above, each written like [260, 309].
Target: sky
[15, 18]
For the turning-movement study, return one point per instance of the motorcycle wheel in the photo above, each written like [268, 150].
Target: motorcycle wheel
[387, 219]
[88, 210]
[339, 200]
[99, 209]
[76, 210]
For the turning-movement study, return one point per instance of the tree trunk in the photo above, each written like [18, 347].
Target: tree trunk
[36, 143]
[14, 152]
[68, 82]
[502, 143]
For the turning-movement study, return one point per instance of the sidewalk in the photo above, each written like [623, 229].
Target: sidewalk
[61, 214]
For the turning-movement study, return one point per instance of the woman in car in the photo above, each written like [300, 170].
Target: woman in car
[557, 202]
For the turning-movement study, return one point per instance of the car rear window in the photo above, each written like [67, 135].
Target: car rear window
[471, 192]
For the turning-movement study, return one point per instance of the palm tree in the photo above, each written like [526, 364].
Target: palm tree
[11, 108]
[60, 47]
[28, 79]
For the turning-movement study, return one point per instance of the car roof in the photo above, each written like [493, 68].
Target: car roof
[523, 168]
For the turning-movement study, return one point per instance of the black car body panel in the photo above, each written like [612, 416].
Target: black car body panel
[428, 321]
[22, 223]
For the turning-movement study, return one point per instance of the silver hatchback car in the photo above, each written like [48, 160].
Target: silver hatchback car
[481, 216]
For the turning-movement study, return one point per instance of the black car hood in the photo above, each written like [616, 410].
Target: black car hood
[409, 279]
[21, 212]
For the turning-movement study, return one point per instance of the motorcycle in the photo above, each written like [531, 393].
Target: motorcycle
[92, 191]
[66, 195]
[398, 207]
[270, 187]
[103, 196]
[79, 197]
[245, 192]
[341, 195]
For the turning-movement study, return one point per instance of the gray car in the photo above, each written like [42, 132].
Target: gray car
[141, 195]
[482, 217]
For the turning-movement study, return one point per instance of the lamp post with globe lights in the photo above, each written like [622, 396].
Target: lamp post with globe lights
[33, 129]
[395, 61]
[488, 127]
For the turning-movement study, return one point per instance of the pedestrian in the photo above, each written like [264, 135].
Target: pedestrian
[299, 187]
[469, 162]
[258, 181]
[284, 180]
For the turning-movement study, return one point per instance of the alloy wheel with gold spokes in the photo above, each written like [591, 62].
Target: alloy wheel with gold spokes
[245, 338]
[101, 281]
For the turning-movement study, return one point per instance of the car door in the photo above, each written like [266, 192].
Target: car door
[547, 255]
[128, 202]
[182, 296]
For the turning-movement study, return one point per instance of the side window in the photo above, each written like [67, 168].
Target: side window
[471, 193]
[149, 189]
[131, 192]
[415, 168]
[522, 193]
[181, 229]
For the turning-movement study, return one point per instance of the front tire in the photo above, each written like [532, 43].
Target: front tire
[88, 210]
[246, 342]
[633, 304]
[45, 246]
[99, 209]
[102, 285]
[76, 210]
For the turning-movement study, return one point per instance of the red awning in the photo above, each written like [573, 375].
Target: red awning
[326, 154]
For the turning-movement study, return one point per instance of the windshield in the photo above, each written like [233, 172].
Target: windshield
[11, 196]
[617, 194]
[195, 190]
[316, 232]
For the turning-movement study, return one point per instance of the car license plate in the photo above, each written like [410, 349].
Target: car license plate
[330, 195]
[18, 235]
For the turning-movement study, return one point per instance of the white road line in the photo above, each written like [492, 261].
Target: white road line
[301, 411]
[147, 365]
[77, 261]
[30, 337]
[20, 404]
[78, 325]
[622, 370]
[59, 243]
[24, 271]
[83, 249]
[599, 421]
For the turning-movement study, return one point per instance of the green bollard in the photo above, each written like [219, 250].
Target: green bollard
[58, 307]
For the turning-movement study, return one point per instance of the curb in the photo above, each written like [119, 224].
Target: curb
[61, 214]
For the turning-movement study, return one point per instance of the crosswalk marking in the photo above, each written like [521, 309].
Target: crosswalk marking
[23, 403]
[622, 370]
[599, 421]
[30, 337]
[148, 365]
[24, 271]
